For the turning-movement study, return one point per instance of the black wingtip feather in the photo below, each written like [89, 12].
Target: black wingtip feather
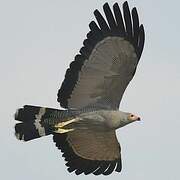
[141, 39]
[119, 20]
[110, 169]
[119, 166]
[127, 19]
[109, 17]
[102, 23]
[93, 26]
[103, 166]
[135, 19]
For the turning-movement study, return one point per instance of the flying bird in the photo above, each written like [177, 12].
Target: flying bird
[85, 130]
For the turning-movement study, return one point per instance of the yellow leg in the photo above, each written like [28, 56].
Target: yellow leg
[61, 131]
[62, 124]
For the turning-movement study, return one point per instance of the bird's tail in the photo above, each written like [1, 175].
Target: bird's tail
[36, 121]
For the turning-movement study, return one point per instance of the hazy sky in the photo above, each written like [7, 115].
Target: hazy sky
[38, 40]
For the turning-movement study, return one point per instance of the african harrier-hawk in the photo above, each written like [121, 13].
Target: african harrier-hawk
[91, 93]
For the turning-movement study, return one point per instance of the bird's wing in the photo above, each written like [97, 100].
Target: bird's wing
[107, 61]
[90, 152]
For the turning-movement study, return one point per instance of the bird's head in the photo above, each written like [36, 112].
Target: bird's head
[126, 118]
[132, 117]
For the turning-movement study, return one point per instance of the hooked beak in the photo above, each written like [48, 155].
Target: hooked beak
[138, 119]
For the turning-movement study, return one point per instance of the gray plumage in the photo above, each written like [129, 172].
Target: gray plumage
[90, 94]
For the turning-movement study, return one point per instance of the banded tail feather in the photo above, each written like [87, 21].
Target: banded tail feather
[37, 121]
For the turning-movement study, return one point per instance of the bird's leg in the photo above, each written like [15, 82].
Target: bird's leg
[61, 126]
[65, 123]
[61, 131]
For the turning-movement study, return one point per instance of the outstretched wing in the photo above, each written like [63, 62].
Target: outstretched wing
[107, 62]
[90, 152]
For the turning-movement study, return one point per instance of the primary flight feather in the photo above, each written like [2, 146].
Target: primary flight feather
[91, 94]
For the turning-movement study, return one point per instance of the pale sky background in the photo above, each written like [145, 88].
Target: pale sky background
[38, 40]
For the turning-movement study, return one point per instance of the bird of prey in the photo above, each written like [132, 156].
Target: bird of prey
[85, 130]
